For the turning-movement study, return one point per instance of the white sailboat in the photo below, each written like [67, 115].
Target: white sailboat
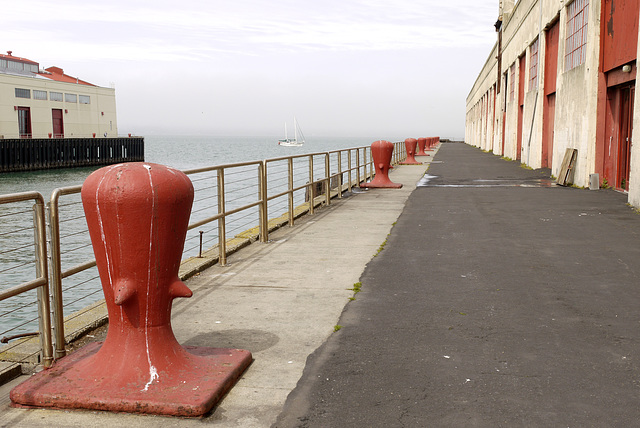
[298, 139]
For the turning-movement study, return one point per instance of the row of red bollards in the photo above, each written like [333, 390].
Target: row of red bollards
[382, 152]
[137, 214]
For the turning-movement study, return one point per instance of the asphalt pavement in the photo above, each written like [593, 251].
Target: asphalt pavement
[499, 300]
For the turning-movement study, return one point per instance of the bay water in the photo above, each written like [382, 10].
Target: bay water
[181, 152]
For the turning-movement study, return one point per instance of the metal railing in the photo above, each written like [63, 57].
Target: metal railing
[41, 280]
[229, 200]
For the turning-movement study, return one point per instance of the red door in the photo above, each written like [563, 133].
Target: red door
[624, 145]
[547, 129]
[24, 122]
[58, 126]
[549, 108]
[520, 106]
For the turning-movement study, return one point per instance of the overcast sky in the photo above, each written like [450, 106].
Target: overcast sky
[244, 67]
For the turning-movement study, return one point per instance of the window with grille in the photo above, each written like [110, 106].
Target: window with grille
[55, 96]
[575, 47]
[533, 65]
[512, 88]
[70, 98]
[84, 99]
[39, 95]
[23, 93]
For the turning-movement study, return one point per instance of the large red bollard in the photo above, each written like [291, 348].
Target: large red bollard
[137, 214]
[430, 141]
[422, 143]
[410, 144]
[381, 151]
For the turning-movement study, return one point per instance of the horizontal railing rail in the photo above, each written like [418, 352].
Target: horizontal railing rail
[230, 200]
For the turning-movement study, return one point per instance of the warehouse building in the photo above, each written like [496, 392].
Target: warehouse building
[560, 83]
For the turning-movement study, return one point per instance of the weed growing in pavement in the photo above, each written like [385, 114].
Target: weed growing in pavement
[382, 246]
[506, 158]
[336, 327]
[357, 287]
[525, 166]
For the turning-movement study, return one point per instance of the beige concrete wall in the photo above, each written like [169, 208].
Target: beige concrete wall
[576, 102]
[634, 173]
[576, 93]
[80, 120]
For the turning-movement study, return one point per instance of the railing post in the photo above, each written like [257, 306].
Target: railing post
[340, 174]
[312, 186]
[290, 195]
[358, 167]
[44, 320]
[364, 163]
[222, 230]
[264, 209]
[56, 275]
[327, 179]
[350, 167]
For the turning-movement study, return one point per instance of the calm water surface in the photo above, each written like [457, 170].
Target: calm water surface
[182, 152]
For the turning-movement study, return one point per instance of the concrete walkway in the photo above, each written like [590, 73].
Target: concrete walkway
[280, 300]
[500, 300]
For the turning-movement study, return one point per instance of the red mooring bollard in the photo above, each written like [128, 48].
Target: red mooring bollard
[430, 141]
[410, 144]
[381, 151]
[422, 143]
[137, 215]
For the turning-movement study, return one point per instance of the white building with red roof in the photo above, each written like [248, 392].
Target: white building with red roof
[47, 103]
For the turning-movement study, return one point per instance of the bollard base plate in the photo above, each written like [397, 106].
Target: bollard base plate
[190, 393]
[381, 185]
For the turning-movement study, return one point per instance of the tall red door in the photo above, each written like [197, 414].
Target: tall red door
[24, 122]
[521, 83]
[58, 125]
[550, 76]
[624, 146]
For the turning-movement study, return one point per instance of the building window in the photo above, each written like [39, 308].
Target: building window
[575, 47]
[39, 95]
[533, 65]
[13, 65]
[70, 98]
[23, 93]
[55, 96]
[84, 99]
[512, 88]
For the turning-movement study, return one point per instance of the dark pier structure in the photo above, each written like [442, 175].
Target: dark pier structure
[48, 153]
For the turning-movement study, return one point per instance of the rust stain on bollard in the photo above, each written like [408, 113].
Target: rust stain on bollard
[137, 215]
[410, 144]
[382, 151]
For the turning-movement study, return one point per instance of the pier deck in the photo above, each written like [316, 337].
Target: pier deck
[498, 300]
[280, 300]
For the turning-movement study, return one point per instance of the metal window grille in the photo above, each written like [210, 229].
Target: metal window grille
[533, 65]
[84, 99]
[70, 98]
[512, 88]
[55, 96]
[23, 93]
[575, 46]
[39, 95]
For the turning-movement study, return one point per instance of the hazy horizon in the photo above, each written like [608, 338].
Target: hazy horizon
[344, 68]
